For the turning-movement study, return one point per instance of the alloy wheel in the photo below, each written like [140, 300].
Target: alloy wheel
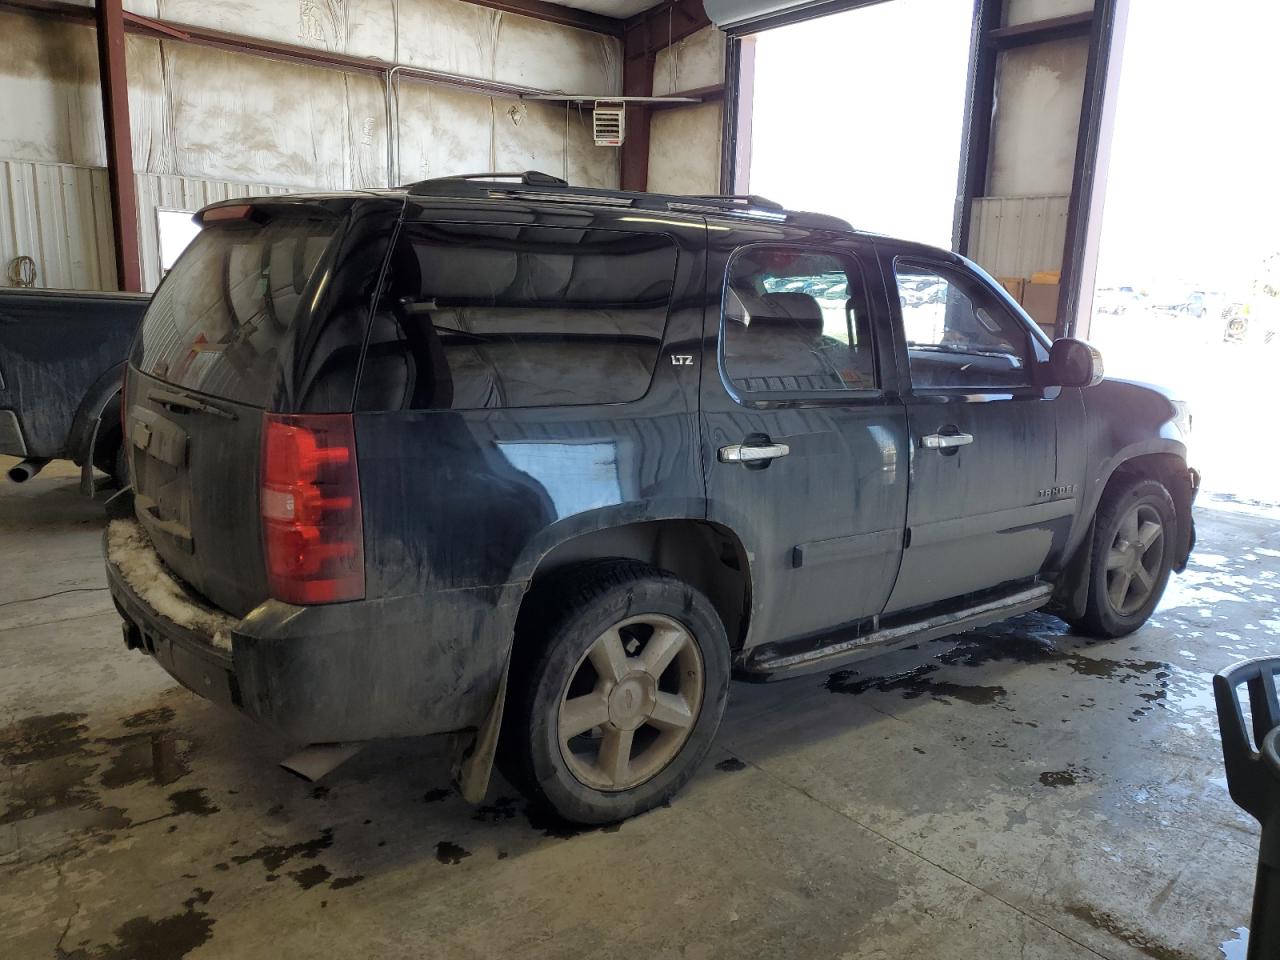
[631, 702]
[1135, 558]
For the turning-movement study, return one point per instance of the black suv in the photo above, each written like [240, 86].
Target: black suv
[544, 465]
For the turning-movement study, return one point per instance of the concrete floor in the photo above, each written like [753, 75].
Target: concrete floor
[1017, 791]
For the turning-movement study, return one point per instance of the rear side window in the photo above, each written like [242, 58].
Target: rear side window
[492, 316]
[231, 308]
[796, 322]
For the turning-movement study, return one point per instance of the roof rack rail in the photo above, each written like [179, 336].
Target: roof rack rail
[528, 178]
[739, 199]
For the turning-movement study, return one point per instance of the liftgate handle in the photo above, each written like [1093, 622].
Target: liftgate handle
[945, 441]
[744, 453]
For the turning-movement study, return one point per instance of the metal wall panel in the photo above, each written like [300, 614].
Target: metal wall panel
[1018, 236]
[60, 216]
[166, 192]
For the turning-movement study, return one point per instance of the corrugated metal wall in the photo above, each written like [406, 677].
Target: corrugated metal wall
[60, 216]
[1018, 236]
[166, 192]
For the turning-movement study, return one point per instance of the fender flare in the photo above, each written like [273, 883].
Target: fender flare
[1071, 589]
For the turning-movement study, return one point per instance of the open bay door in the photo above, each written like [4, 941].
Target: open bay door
[1038, 108]
[743, 16]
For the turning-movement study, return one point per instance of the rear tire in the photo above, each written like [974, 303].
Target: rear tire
[623, 674]
[1133, 547]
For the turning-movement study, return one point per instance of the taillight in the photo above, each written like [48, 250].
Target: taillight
[310, 503]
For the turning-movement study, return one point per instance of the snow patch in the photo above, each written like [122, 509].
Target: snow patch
[129, 549]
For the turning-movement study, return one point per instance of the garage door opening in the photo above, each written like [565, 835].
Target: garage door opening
[1189, 268]
[860, 114]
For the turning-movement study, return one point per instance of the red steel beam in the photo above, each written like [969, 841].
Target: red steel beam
[637, 81]
[646, 34]
[554, 13]
[115, 114]
[666, 24]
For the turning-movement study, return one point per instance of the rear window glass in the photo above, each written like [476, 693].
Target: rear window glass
[491, 316]
[229, 309]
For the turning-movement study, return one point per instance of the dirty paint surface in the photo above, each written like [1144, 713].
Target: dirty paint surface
[1017, 791]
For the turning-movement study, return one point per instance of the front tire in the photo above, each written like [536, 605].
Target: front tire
[1133, 547]
[624, 674]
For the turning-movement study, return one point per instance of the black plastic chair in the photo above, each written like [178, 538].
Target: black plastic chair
[1253, 777]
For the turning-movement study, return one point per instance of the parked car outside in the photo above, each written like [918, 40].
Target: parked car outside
[546, 465]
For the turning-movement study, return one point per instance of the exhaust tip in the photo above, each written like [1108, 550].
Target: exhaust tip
[25, 470]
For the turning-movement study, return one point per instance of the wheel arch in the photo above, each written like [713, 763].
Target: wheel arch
[708, 556]
[1164, 461]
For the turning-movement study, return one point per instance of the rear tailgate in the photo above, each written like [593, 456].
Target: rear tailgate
[194, 467]
[243, 323]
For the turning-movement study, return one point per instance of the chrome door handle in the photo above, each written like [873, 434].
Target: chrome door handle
[945, 441]
[752, 453]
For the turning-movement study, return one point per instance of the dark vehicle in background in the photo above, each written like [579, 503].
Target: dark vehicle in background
[62, 354]
[545, 465]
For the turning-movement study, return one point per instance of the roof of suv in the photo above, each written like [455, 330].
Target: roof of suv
[532, 185]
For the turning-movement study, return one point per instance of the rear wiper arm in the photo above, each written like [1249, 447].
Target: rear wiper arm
[184, 402]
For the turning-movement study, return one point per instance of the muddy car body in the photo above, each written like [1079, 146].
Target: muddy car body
[485, 456]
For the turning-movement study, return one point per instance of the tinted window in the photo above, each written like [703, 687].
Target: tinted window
[517, 316]
[958, 333]
[230, 308]
[796, 321]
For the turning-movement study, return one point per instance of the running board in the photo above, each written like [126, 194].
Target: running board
[839, 653]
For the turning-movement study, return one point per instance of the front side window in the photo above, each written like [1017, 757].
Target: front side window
[796, 322]
[957, 333]
[491, 316]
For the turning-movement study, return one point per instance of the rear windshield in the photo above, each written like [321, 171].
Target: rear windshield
[231, 307]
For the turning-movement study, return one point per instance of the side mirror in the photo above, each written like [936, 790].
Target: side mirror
[1074, 363]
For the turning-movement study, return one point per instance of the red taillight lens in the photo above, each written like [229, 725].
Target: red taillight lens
[310, 502]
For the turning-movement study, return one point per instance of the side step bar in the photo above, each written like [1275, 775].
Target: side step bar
[841, 652]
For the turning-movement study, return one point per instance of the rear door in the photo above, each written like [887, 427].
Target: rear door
[266, 310]
[986, 505]
[804, 440]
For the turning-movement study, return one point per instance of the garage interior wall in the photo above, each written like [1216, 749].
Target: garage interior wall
[685, 142]
[208, 123]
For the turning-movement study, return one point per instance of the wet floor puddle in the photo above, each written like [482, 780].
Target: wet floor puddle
[58, 767]
[1035, 639]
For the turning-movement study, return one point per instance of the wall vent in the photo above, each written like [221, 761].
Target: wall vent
[609, 121]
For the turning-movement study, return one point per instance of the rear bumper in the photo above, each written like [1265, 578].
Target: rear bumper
[406, 666]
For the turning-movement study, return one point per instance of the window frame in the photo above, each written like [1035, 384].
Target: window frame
[1032, 361]
[772, 399]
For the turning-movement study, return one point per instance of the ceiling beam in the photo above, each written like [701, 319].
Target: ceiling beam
[662, 26]
[554, 13]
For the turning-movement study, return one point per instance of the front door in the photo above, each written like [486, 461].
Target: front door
[804, 448]
[986, 507]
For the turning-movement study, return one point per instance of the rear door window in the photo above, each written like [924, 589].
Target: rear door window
[492, 316]
[232, 307]
[796, 321]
